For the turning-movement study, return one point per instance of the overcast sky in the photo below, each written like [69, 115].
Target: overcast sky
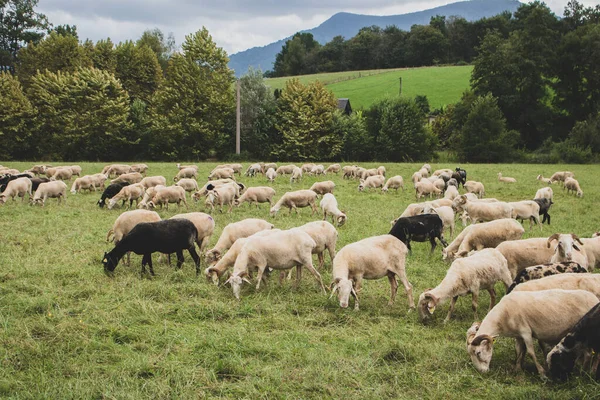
[234, 24]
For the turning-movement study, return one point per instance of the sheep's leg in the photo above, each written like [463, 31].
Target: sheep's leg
[144, 262]
[150, 264]
[394, 287]
[298, 276]
[355, 295]
[128, 258]
[433, 244]
[407, 287]
[308, 264]
[325, 216]
[492, 293]
[179, 259]
[520, 350]
[321, 258]
[259, 276]
[331, 249]
[530, 350]
[281, 277]
[451, 309]
[474, 301]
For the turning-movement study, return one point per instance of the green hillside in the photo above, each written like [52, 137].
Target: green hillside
[441, 85]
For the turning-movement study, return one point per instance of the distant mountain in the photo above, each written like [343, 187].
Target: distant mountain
[348, 25]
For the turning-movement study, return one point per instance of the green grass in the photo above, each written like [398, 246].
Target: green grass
[441, 85]
[68, 331]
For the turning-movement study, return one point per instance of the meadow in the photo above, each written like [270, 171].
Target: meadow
[441, 85]
[69, 331]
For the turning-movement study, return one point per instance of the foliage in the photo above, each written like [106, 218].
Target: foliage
[191, 107]
[138, 69]
[295, 56]
[423, 103]
[81, 115]
[353, 128]
[104, 56]
[65, 30]
[161, 46]
[304, 118]
[586, 134]
[16, 114]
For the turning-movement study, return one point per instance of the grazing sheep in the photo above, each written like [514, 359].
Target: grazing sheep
[427, 167]
[445, 213]
[111, 191]
[439, 172]
[370, 258]
[547, 181]
[451, 193]
[233, 232]
[524, 253]
[76, 169]
[544, 193]
[237, 168]
[325, 236]
[296, 175]
[546, 315]
[180, 167]
[416, 178]
[253, 169]
[567, 250]
[482, 270]
[271, 175]
[295, 200]
[526, 209]
[574, 278]
[141, 168]
[189, 185]
[475, 188]
[591, 249]
[580, 339]
[545, 205]
[99, 180]
[127, 221]
[419, 229]
[395, 182]
[62, 173]
[170, 194]
[424, 173]
[279, 250]
[117, 169]
[54, 189]
[132, 177]
[151, 181]
[256, 195]
[412, 209]
[349, 171]
[333, 168]
[127, 193]
[321, 188]
[561, 176]
[210, 185]
[205, 225]
[225, 195]
[381, 170]
[222, 173]
[482, 211]
[329, 206]
[149, 195]
[16, 188]
[186, 173]
[265, 167]
[285, 169]
[317, 170]
[425, 188]
[484, 235]
[86, 182]
[540, 271]
[505, 179]
[307, 167]
[168, 236]
[572, 185]
[375, 181]
[363, 173]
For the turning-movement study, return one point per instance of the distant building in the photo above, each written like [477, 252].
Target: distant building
[344, 106]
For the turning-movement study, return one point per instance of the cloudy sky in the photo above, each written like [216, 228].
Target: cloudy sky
[234, 24]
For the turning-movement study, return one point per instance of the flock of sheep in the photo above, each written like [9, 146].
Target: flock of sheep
[550, 297]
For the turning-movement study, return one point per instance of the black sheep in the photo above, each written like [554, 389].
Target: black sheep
[460, 175]
[4, 179]
[35, 182]
[110, 192]
[167, 236]
[584, 335]
[545, 205]
[419, 228]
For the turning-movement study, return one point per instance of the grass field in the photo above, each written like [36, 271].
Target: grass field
[441, 85]
[68, 331]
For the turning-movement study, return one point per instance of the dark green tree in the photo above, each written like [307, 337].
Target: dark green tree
[138, 69]
[426, 45]
[294, 57]
[16, 116]
[162, 46]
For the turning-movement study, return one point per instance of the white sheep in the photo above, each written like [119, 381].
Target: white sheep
[591, 249]
[127, 193]
[374, 181]
[505, 179]
[99, 180]
[317, 170]
[566, 281]
[222, 173]
[295, 200]
[225, 195]
[285, 169]
[482, 211]
[546, 315]
[296, 174]
[482, 270]
[131, 178]
[526, 209]
[151, 181]
[567, 250]
[233, 232]
[427, 167]
[445, 213]
[349, 171]
[370, 258]
[545, 180]
[333, 168]
[544, 193]
[253, 169]
[271, 175]
[365, 173]
[256, 195]
[205, 225]
[572, 185]
[561, 176]
[62, 173]
[424, 172]
[55, 189]
[395, 182]
[170, 194]
[425, 188]
[325, 236]
[329, 206]
[117, 169]
[524, 253]
[16, 188]
[76, 169]
[189, 185]
[475, 188]
[141, 168]
[439, 172]
[451, 193]
[149, 195]
[211, 184]
[86, 182]
[307, 167]
[321, 188]
[381, 170]
[180, 167]
[186, 173]
[127, 221]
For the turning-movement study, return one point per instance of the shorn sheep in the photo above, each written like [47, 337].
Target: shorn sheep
[329, 206]
[505, 179]
[295, 200]
[370, 258]
[572, 185]
[325, 236]
[546, 315]
[395, 182]
[54, 189]
[480, 271]
[17, 188]
[232, 232]
[567, 250]
[256, 195]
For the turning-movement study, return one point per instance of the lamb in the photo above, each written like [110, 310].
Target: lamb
[333, 168]
[168, 236]
[425, 188]
[424, 172]
[222, 173]
[524, 253]
[170, 194]
[16, 188]
[112, 190]
[526, 209]
[233, 232]
[86, 182]
[546, 315]
[127, 221]
[544, 193]
[189, 185]
[375, 181]
[572, 185]
[141, 168]
[253, 169]
[76, 169]
[394, 182]
[481, 236]
[279, 250]
[325, 236]
[296, 175]
[271, 175]
[307, 167]
[445, 213]
[256, 195]
[370, 258]
[381, 170]
[329, 206]
[349, 171]
[561, 176]
[151, 181]
[545, 205]
[482, 270]
[54, 189]
[285, 169]
[475, 188]
[451, 193]
[365, 173]
[545, 180]
[210, 185]
[567, 250]
[128, 193]
[544, 270]
[225, 195]
[482, 211]
[149, 195]
[131, 178]
[63, 173]
[317, 170]
[505, 179]
[581, 338]
[295, 200]
[186, 173]
[205, 225]
[99, 180]
[322, 188]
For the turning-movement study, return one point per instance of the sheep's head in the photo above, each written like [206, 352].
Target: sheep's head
[212, 275]
[480, 348]
[341, 220]
[2, 199]
[580, 193]
[212, 256]
[566, 244]
[236, 282]
[273, 211]
[109, 264]
[427, 303]
[344, 287]
[561, 359]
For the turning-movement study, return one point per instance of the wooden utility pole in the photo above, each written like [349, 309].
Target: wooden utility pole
[400, 94]
[237, 120]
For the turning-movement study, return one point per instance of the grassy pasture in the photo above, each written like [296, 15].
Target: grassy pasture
[68, 331]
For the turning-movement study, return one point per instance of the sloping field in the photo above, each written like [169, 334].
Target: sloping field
[69, 331]
[327, 78]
